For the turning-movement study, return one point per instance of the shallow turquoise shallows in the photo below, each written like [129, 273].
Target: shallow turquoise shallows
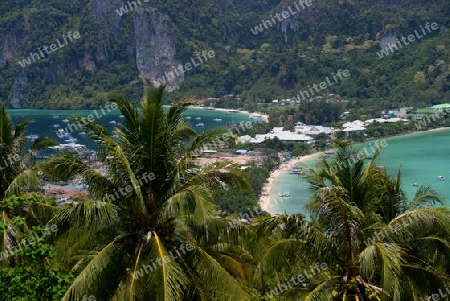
[422, 157]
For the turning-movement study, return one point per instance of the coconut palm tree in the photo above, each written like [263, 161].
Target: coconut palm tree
[149, 231]
[18, 175]
[377, 246]
[16, 171]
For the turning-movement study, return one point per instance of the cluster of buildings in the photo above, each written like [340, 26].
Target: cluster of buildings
[302, 134]
[358, 125]
[293, 101]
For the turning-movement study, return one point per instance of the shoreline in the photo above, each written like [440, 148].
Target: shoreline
[404, 134]
[265, 117]
[268, 198]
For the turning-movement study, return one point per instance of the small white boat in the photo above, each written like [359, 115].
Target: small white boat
[198, 118]
[55, 126]
[121, 116]
[283, 194]
[71, 140]
[82, 133]
[217, 119]
[187, 117]
[414, 184]
[65, 120]
[441, 178]
[200, 124]
[32, 137]
[113, 122]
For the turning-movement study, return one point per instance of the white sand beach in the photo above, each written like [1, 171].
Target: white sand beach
[264, 117]
[268, 198]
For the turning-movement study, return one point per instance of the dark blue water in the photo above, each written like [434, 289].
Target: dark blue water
[45, 121]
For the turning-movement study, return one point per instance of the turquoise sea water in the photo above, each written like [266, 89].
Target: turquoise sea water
[44, 120]
[422, 157]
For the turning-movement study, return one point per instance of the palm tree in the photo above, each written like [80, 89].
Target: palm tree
[377, 246]
[149, 232]
[17, 175]
[16, 172]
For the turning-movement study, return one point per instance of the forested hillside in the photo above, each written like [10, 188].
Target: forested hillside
[124, 50]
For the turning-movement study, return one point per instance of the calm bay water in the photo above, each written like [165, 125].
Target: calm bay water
[45, 121]
[422, 157]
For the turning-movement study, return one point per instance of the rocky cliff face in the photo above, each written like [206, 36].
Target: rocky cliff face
[20, 90]
[7, 50]
[150, 41]
[155, 49]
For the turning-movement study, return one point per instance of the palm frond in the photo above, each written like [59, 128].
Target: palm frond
[213, 274]
[323, 292]
[193, 201]
[386, 260]
[93, 213]
[26, 180]
[168, 279]
[102, 274]
[42, 142]
[278, 255]
[425, 196]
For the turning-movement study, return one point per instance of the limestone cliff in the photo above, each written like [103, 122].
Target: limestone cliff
[155, 48]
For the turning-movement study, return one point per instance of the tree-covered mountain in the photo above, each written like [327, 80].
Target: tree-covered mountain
[128, 44]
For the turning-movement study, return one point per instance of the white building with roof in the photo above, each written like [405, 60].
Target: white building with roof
[382, 120]
[352, 126]
[313, 129]
[286, 136]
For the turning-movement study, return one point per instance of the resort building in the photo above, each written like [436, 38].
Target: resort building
[383, 120]
[285, 136]
[313, 129]
[441, 107]
[352, 126]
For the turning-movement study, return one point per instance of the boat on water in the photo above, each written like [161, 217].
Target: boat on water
[188, 117]
[283, 194]
[55, 116]
[82, 133]
[71, 140]
[32, 137]
[217, 119]
[55, 126]
[198, 118]
[113, 122]
[415, 184]
[69, 146]
[121, 116]
[254, 116]
[65, 120]
[200, 124]
[441, 178]
[295, 171]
